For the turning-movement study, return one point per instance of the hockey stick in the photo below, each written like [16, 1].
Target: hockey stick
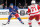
[4, 24]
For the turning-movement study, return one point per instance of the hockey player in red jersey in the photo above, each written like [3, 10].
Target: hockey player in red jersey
[33, 13]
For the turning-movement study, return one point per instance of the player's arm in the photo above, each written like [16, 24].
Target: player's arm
[38, 7]
[10, 11]
[28, 11]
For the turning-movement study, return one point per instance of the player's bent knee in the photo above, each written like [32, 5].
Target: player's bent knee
[37, 19]
[16, 15]
[30, 18]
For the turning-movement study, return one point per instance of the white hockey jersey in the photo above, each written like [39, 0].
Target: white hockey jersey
[33, 10]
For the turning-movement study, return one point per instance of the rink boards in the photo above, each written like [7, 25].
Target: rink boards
[4, 13]
[13, 18]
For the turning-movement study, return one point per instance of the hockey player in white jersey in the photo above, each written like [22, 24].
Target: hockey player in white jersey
[33, 13]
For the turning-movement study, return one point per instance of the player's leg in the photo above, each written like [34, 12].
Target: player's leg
[30, 19]
[17, 16]
[37, 19]
[10, 16]
[8, 20]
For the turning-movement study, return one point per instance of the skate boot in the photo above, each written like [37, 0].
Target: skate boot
[22, 22]
[30, 25]
[8, 22]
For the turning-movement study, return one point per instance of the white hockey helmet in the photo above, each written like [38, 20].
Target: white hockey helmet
[33, 2]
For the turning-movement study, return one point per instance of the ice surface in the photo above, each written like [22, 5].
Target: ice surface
[16, 23]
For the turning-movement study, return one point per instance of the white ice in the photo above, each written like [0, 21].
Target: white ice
[16, 23]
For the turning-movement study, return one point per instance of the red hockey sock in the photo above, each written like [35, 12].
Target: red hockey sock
[39, 23]
[29, 24]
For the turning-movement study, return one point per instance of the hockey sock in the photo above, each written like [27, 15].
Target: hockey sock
[9, 18]
[39, 23]
[19, 19]
[30, 24]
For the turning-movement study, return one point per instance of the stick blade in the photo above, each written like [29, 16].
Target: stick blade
[3, 24]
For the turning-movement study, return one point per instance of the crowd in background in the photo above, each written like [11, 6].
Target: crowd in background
[4, 5]
[20, 6]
